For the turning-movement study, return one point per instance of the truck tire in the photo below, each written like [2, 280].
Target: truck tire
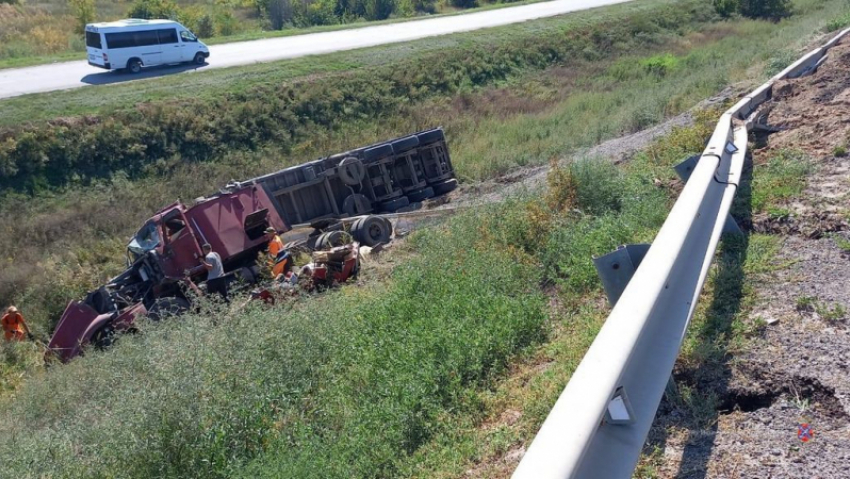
[378, 152]
[395, 205]
[134, 66]
[405, 144]
[351, 171]
[247, 275]
[372, 231]
[431, 136]
[420, 195]
[200, 59]
[167, 307]
[356, 204]
[332, 239]
[444, 187]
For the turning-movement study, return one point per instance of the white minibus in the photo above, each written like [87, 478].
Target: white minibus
[135, 43]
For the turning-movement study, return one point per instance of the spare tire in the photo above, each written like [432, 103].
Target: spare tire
[351, 171]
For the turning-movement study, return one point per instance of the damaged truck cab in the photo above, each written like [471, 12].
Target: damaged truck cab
[164, 261]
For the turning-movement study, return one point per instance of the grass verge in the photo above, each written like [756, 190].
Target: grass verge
[361, 378]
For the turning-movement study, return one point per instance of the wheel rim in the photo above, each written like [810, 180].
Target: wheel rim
[375, 231]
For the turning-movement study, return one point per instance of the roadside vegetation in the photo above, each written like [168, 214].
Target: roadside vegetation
[362, 378]
[41, 32]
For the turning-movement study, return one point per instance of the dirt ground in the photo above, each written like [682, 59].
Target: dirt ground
[796, 372]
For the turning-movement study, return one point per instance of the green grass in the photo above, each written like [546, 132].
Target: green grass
[361, 379]
[777, 179]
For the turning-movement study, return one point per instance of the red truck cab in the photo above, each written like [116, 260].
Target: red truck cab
[159, 256]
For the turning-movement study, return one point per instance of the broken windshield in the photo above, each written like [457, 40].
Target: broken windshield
[145, 240]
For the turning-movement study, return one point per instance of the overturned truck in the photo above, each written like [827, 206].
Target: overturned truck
[347, 191]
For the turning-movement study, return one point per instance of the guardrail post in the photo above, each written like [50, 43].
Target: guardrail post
[616, 269]
[684, 170]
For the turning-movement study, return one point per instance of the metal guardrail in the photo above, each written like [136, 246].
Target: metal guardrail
[599, 424]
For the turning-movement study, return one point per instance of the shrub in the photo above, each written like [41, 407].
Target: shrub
[84, 11]
[768, 9]
[205, 27]
[152, 9]
[660, 65]
[464, 3]
[726, 8]
[226, 23]
[838, 23]
[378, 9]
[279, 13]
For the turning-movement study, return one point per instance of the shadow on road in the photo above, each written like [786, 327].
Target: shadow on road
[120, 76]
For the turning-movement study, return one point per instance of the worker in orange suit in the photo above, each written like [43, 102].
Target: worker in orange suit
[281, 260]
[275, 243]
[14, 326]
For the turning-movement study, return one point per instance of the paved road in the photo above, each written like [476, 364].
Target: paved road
[67, 75]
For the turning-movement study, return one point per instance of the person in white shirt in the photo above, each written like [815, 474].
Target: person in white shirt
[216, 282]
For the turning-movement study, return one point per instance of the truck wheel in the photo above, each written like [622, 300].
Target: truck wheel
[395, 205]
[420, 195]
[200, 59]
[372, 231]
[164, 308]
[405, 144]
[431, 136]
[444, 187]
[378, 152]
[351, 171]
[134, 66]
[356, 204]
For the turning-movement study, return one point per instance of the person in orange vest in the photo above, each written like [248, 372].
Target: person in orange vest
[281, 260]
[275, 243]
[14, 326]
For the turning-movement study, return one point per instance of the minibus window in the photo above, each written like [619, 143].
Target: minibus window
[187, 36]
[93, 40]
[132, 39]
[168, 35]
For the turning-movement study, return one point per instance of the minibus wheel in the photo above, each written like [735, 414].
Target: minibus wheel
[134, 65]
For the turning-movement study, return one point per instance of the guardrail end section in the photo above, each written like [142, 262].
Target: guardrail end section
[616, 269]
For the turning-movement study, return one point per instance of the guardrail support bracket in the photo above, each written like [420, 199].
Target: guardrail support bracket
[684, 170]
[619, 411]
[616, 269]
